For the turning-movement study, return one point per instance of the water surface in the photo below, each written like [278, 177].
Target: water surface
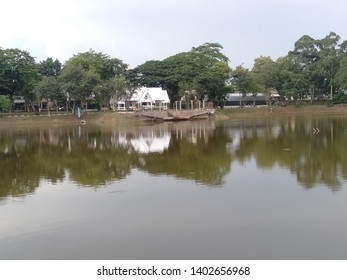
[241, 189]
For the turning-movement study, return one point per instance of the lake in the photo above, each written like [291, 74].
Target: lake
[272, 188]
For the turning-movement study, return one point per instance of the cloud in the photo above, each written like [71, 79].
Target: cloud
[140, 30]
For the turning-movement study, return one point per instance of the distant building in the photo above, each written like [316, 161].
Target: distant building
[19, 103]
[245, 99]
[146, 98]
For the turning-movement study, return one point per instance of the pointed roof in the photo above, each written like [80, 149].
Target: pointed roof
[150, 94]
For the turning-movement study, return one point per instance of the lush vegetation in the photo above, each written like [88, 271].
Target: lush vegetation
[313, 69]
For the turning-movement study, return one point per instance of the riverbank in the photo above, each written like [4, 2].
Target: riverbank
[266, 111]
[114, 118]
[62, 119]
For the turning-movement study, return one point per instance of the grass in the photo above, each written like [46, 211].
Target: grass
[114, 118]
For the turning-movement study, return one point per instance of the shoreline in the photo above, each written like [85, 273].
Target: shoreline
[254, 112]
[113, 118]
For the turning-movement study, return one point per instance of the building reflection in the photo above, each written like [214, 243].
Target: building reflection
[201, 151]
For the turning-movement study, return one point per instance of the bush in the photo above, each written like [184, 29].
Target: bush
[340, 97]
[5, 104]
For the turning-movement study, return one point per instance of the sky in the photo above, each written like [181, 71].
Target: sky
[136, 31]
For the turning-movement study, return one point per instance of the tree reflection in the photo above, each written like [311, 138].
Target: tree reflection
[199, 151]
[95, 156]
[315, 158]
[194, 153]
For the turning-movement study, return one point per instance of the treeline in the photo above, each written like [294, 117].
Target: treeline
[314, 69]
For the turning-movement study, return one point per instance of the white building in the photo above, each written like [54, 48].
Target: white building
[146, 98]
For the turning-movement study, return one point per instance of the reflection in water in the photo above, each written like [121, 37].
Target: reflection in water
[294, 144]
[94, 156]
[190, 190]
[199, 151]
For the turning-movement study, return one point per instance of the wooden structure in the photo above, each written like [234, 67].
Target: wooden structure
[173, 115]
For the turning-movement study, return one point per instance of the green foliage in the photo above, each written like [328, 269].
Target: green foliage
[91, 74]
[289, 80]
[318, 61]
[18, 73]
[199, 72]
[315, 67]
[243, 81]
[49, 67]
[150, 74]
[77, 83]
[5, 104]
[50, 88]
[99, 63]
[116, 88]
[340, 97]
[264, 73]
[341, 75]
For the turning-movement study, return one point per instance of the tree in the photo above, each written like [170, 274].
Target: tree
[327, 65]
[289, 79]
[99, 63]
[18, 74]
[211, 53]
[318, 61]
[49, 88]
[78, 84]
[263, 71]
[341, 75]
[242, 80]
[213, 82]
[49, 67]
[201, 71]
[149, 74]
[85, 72]
[115, 88]
[5, 104]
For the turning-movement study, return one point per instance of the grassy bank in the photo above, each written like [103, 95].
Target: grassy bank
[30, 119]
[114, 118]
[266, 111]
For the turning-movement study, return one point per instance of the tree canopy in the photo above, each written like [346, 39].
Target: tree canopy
[18, 73]
[315, 68]
[203, 71]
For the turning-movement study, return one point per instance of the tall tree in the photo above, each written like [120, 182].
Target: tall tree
[77, 84]
[18, 74]
[289, 79]
[85, 72]
[318, 60]
[243, 81]
[150, 74]
[48, 67]
[327, 65]
[116, 88]
[341, 75]
[99, 63]
[199, 71]
[49, 88]
[263, 71]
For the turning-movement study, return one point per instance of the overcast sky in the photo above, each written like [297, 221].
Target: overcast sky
[136, 31]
